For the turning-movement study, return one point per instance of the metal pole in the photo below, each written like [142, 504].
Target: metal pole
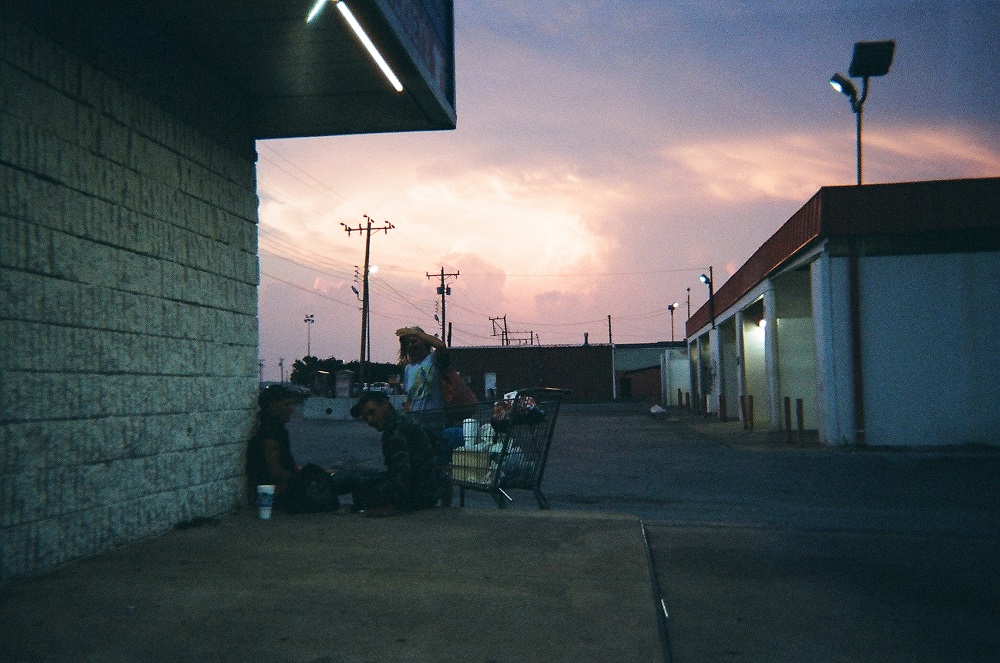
[858, 115]
[364, 303]
[614, 371]
[711, 294]
[444, 316]
[309, 320]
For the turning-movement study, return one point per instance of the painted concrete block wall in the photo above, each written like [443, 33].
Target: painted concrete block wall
[796, 345]
[675, 367]
[128, 311]
[831, 285]
[729, 368]
[929, 347]
[755, 373]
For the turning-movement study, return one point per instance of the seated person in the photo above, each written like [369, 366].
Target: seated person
[411, 479]
[270, 461]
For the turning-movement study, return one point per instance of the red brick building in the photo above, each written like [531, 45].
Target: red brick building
[584, 369]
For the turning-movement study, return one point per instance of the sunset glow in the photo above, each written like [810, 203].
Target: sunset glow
[604, 158]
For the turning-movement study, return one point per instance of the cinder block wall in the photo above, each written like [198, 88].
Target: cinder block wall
[128, 306]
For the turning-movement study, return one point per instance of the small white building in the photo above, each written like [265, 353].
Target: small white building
[870, 316]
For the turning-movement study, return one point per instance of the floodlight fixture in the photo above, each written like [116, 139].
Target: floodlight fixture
[842, 84]
[870, 59]
[672, 308]
[708, 280]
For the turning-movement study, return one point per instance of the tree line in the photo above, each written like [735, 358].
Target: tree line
[319, 374]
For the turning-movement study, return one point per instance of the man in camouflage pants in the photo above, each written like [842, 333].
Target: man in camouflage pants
[411, 480]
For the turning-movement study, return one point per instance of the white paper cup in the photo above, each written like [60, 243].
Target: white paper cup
[470, 431]
[265, 500]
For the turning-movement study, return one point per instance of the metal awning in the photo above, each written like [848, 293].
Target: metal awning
[295, 79]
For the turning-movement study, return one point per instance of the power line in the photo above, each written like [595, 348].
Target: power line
[365, 296]
[325, 188]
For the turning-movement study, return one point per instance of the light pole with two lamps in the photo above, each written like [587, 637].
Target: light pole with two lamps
[309, 320]
[708, 280]
[871, 58]
[672, 308]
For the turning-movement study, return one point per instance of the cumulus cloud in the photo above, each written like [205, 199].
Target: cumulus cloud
[793, 166]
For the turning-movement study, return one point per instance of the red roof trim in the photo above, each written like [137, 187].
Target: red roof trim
[871, 209]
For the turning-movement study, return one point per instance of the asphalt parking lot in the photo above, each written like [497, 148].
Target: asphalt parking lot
[766, 550]
[670, 538]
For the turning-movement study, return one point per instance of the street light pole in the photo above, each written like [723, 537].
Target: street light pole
[871, 58]
[671, 308]
[709, 281]
[309, 320]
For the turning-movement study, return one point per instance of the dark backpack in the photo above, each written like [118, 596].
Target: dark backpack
[310, 490]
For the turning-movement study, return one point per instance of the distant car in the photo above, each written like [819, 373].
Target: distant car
[380, 386]
[299, 389]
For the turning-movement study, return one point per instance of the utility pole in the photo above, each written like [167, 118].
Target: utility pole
[614, 370]
[504, 340]
[443, 290]
[281, 368]
[521, 340]
[365, 308]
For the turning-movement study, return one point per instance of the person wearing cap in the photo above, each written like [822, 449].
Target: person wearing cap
[411, 480]
[270, 459]
[421, 372]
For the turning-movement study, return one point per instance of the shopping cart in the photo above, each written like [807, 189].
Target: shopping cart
[506, 444]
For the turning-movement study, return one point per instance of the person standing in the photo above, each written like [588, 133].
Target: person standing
[421, 372]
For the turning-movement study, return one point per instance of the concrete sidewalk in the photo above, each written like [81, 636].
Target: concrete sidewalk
[441, 585]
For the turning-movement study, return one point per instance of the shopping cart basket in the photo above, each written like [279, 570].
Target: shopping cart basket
[506, 445]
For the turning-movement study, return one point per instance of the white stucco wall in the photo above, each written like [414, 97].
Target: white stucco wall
[676, 374]
[796, 346]
[834, 370]
[930, 339]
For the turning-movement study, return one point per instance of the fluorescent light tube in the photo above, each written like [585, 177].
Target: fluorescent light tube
[369, 46]
[314, 12]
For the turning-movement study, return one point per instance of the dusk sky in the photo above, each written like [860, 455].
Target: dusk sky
[606, 155]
